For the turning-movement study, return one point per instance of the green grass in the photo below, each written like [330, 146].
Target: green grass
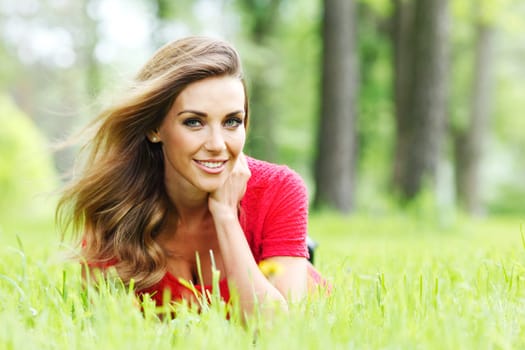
[400, 282]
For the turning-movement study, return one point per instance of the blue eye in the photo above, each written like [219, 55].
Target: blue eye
[192, 123]
[233, 122]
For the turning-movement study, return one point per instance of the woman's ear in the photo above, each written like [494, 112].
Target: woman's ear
[153, 136]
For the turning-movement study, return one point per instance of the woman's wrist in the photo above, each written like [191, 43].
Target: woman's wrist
[224, 214]
[222, 210]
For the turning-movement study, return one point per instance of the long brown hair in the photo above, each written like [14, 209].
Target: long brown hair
[117, 205]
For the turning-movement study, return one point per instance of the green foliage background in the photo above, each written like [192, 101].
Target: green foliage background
[60, 98]
[27, 174]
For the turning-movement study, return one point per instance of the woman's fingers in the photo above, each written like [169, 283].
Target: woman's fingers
[228, 196]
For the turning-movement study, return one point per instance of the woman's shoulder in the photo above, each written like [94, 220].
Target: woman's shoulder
[266, 173]
[273, 185]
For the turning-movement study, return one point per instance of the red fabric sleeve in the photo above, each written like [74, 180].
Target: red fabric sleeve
[285, 225]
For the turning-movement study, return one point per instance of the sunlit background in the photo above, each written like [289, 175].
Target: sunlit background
[61, 60]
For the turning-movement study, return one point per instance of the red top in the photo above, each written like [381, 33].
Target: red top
[273, 215]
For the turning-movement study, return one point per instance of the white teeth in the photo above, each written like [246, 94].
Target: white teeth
[211, 165]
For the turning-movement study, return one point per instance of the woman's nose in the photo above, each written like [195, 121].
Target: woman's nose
[215, 141]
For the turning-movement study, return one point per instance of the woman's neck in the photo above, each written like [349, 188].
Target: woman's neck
[191, 216]
[184, 221]
[186, 200]
[188, 209]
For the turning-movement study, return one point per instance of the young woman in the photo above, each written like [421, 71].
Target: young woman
[166, 183]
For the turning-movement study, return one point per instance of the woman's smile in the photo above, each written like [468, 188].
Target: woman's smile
[211, 166]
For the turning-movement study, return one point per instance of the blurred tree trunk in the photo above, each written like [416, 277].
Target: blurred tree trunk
[423, 77]
[402, 32]
[470, 143]
[335, 162]
[262, 17]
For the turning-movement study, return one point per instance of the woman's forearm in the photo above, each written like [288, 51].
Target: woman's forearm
[241, 269]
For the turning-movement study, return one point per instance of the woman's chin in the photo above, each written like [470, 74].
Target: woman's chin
[209, 187]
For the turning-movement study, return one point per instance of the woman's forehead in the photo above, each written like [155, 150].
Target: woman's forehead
[212, 93]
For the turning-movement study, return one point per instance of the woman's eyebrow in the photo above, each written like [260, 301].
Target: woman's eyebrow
[202, 114]
[241, 112]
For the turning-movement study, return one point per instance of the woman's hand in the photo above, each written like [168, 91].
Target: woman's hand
[225, 200]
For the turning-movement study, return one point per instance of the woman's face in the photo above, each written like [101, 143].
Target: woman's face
[203, 134]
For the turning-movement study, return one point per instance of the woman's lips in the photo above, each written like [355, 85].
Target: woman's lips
[211, 166]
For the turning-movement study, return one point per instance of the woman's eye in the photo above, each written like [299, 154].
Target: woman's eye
[192, 123]
[233, 122]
